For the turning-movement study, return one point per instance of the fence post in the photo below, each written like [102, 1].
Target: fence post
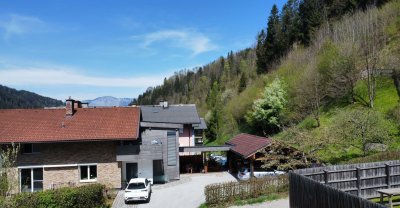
[326, 176]
[358, 182]
[387, 170]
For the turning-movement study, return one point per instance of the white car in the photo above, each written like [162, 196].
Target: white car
[244, 173]
[138, 189]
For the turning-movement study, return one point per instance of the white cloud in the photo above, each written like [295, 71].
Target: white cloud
[189, 39]
[16, 24]
[40, 76]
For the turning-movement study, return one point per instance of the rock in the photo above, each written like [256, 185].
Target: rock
[376, 147]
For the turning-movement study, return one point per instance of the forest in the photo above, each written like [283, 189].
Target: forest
[322, 76]
[12, 98]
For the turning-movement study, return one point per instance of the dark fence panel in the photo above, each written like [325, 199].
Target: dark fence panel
[308, 193]
[361, 179]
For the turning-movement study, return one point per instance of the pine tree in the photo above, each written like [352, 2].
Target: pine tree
[242, 83]
[215, 121]
[312, 16]
[272, 42]
[260, 52]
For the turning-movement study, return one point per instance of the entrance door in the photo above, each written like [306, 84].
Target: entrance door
[131, 171]
[158, 171]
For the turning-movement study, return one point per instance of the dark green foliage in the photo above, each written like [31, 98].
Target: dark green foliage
[261, 52]
[242, 83]
[312, 14]
[11, 98]
[215, 121]
[297, 22]
[80, 197]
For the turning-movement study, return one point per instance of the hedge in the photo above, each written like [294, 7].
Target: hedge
[221, 193]
[78, 197]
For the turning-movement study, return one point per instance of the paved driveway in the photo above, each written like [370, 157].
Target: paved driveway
[186, 193]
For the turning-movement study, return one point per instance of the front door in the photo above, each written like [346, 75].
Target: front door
[131, 171]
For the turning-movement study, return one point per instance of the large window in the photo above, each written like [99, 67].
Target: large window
[88, 173]
[31, 179]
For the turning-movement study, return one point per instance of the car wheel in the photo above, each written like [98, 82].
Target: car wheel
[148, 199]
[126, 202]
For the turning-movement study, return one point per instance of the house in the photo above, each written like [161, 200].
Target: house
[184, 118]
[157, 154]
[78, 144]
[71, 145]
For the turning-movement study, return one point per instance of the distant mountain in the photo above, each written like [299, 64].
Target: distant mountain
[12, 98]
[109, 101]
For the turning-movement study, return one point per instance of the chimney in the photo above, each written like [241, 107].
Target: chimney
[69, 107]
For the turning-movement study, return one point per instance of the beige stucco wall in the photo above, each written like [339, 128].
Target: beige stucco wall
[71, 153]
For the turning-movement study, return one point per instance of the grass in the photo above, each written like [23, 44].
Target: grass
[386, 101]
[386, 201]
[260, 199]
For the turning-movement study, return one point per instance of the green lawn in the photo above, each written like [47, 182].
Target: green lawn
[260, 199]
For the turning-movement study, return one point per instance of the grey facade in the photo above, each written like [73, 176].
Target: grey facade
[149, 157]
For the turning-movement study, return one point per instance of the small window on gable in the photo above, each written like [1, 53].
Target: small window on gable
[30, 148]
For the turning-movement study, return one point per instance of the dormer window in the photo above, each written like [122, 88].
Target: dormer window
[30, 149]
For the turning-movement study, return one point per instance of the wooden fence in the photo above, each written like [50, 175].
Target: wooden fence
[229, 191]
[361, 179]
[307, 193]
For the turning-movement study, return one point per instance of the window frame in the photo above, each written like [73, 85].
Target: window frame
[89, 180]
[34, 150]
[32, 178]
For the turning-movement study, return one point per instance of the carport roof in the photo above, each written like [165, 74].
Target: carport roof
[246, 145]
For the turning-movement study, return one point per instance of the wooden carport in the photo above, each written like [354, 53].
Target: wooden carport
[244, 148]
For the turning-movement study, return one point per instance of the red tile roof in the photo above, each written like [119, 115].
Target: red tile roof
[52, 125]
[246, 144]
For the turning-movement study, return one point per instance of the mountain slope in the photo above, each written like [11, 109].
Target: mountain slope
[325, 81]
[11, 98]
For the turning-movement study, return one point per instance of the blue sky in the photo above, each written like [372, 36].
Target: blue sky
[87, 49]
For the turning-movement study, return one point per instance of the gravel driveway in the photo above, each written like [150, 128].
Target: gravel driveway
[188, 192]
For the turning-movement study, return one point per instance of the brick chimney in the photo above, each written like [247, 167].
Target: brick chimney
[69, 107]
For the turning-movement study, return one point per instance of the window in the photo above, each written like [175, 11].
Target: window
[134, 186]
[31, 179]
[88, 173]
[171, 148]
[30, 149]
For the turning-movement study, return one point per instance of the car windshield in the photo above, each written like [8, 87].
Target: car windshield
[136, 186]
[243, 170]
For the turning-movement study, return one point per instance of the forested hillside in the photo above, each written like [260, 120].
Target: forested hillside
[323, 76]
[11, 98]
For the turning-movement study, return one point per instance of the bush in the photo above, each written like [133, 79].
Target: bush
[79, 197]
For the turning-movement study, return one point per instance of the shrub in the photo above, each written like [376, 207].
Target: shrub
[79, 197]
